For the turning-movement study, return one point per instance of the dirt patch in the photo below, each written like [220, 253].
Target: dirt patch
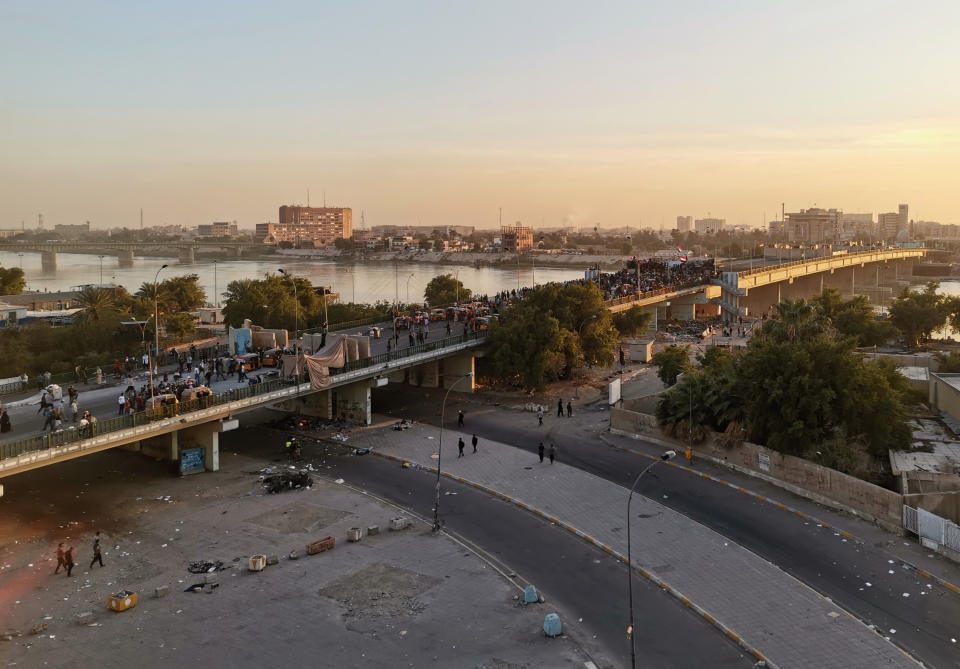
[297, 517]
[378, 590]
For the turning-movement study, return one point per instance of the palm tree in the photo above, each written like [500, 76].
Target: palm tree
[95, 302]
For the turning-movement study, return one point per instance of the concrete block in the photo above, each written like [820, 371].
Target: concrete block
[354, 534]
[161, 591]
[85, 618]
[399, 523]
[213, 577]
[272, 559]
[372, 530]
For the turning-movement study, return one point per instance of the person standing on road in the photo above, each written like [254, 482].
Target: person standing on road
[460, 445]
[569, 409]
[5, 421]
[61, 562]
[99, 375]
[539, 415]
[121, 404]
[68, 560]
[553, 453]
[459, 417]
[540, 451]
[560, 407]
[474, 443]
[97, 555]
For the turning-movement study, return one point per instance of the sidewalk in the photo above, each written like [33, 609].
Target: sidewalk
[785, 620]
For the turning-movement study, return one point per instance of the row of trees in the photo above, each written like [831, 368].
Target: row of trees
[799, 388]
[12, 281]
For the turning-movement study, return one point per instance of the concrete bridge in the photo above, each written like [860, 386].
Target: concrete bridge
[196, 424]
[124, 251]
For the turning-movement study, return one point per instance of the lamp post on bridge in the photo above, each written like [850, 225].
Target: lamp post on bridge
[156, 324]
[443, 407]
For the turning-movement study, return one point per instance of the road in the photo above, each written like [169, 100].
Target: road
[924, 618]
[583, 580]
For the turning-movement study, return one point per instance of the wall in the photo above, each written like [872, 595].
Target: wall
[943, 396]
[821, 484]
[944, 504]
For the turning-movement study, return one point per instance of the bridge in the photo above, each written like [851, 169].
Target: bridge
[123, 250]
[879, 274]
[196, 424]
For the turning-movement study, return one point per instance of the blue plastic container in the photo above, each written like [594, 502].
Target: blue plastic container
[552, 625]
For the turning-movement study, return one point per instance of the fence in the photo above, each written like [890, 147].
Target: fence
[63, 437]
[934, 531]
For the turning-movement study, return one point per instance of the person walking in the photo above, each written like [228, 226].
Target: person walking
[99, 375]
[553, 453]
[459, 417]
[540, 451]
[569, 409]
[474, 440]
[68, 560]
[460, 445]
[540, 415]
[61, 562]
[97, 555]
[5, 421]
[560, 407]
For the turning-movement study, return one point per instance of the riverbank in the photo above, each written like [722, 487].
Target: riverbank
[468, 259]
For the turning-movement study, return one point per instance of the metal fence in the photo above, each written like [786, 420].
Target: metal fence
[932, 528]
[53, 439]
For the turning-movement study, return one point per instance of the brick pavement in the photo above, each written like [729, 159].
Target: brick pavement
[791, 624]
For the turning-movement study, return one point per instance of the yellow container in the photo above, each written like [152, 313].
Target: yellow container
[122, 601]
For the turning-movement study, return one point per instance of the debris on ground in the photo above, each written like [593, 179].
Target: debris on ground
[291, 480]
[205, 566]
[403, 424]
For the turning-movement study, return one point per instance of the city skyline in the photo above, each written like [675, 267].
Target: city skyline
[629, 116]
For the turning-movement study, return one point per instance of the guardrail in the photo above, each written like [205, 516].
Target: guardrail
[54, 439]
[346, 325]
[796, 263]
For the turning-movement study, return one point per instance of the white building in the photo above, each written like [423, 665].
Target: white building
[705, 226]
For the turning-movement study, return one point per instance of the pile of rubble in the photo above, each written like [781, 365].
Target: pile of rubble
[288, 480]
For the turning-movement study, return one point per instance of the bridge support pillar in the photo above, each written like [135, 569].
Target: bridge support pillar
[207, 437]
[186, 255]
[48, 260]
[313, 404]
[238, 252]
[164, 447]
[426, 375]
[352, 402]
[125, 258]
[454, 369]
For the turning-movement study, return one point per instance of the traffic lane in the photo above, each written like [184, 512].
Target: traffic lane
[817, 556]
[586, 582]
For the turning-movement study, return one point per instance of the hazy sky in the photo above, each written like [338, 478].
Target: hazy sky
[617, 113]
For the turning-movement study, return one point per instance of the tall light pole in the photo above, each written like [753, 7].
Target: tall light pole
[457, 277]
[408, 286]
[353, 283]
[21, 261]
[156, 324]
[101, 269]
[296, 313]
[216, 296]
[443, 407]
[633, 647]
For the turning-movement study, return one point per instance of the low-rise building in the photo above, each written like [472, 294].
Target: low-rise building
[516, 238]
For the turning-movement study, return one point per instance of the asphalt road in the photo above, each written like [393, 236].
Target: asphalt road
[925, 625]
[581, 579]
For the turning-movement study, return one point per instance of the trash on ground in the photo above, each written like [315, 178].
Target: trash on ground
[205, 566]
[287, 481]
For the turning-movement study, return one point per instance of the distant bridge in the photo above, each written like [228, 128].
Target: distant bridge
[123, 250]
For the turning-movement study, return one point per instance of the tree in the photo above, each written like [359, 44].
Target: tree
[12, 281]
[444, 290]
[180, 325]
[632, 321]
[95, 302]
[918, 313]
[671, 362]
[523, 343]
[269, 302]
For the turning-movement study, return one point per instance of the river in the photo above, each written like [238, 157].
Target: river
[356, 282]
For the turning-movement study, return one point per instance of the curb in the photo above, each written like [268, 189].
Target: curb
[784, 507]
[650, 576]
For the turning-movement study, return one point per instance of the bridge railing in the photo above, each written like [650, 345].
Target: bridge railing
[68, 436]
[798, 263]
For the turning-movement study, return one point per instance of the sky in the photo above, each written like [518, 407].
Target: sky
[441, 113]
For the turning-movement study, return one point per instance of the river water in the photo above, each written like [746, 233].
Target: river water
[360, 282]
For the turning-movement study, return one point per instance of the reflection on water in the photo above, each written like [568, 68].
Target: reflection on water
[355, 282]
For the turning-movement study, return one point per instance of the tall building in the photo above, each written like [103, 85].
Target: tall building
[891, 223]
[813, 226]
[684, 224]
[704, 226]
[315, 226]
[217, 229]
[516, 237]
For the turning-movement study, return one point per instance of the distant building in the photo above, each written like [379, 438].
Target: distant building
[813, 226]
[460, 230]
[684, 224]
[71, 231]
[704, 226]
[516, 238]
[776, 228]
[217, 229]
[315, 226]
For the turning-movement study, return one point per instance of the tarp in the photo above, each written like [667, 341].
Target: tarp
[332, 355]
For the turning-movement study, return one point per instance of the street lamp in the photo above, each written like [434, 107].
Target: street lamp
[216, 297]
[443, 407]
[21, 261]
[101, 269]
[296, 307]
[353, 283]
[408, 286]
[633, 648]
[156, 323]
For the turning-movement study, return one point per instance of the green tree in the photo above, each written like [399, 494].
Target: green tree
[95, 303]
[12, 281]
[671, 362]
[444, 290]
[916, 314]
[269, 302]
[632, 321]
[524, 344]
[180, 325]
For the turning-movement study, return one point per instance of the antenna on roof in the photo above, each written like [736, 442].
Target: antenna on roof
[324, 198]
[308, 197]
